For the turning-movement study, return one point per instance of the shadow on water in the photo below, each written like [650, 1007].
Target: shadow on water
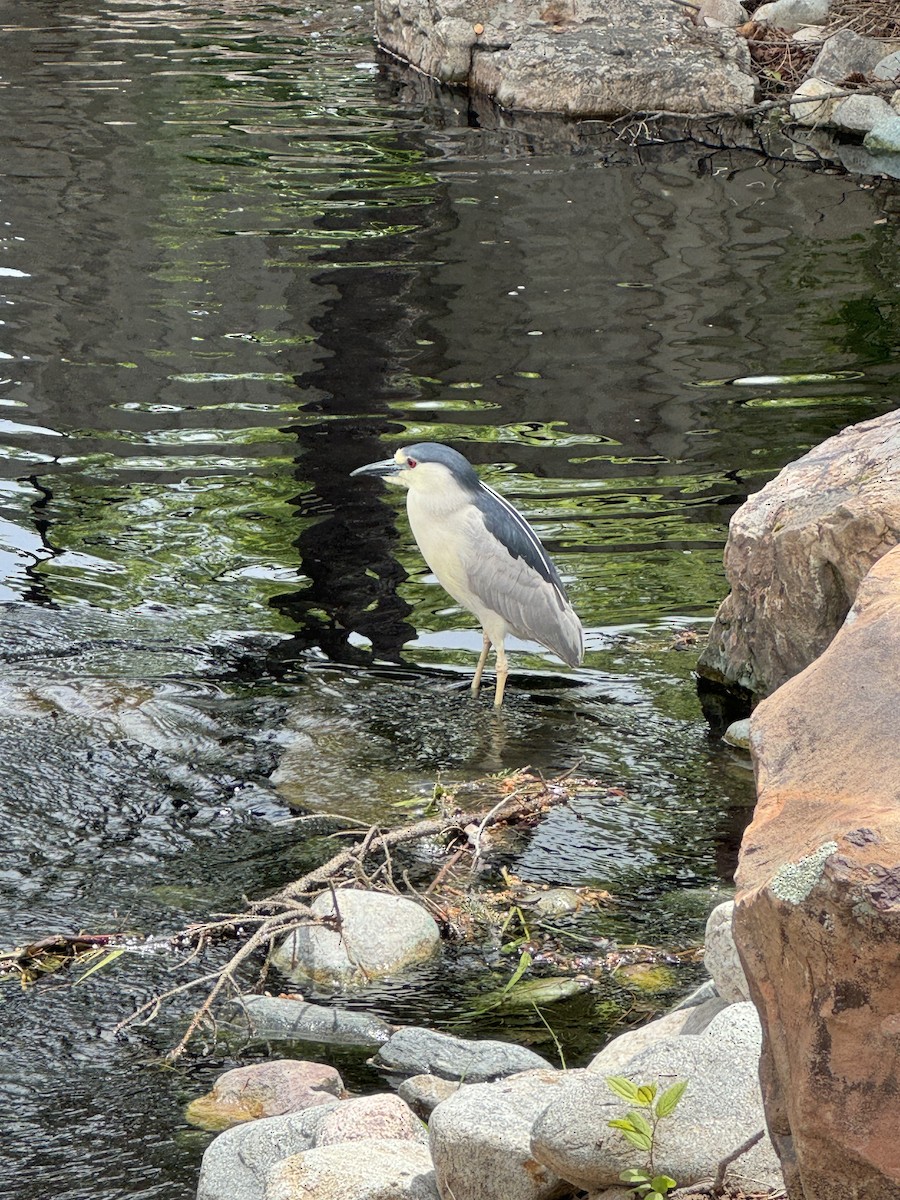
[239, 261]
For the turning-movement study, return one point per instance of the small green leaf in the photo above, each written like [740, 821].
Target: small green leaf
[654, 1196]
[619, 1123]
[633, 1175]
[646, 1094]
[668, 1101]
[623, 1088]
[641, 1140]
[640, 1124]
[663, 1183]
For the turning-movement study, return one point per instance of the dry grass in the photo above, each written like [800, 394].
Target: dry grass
[872, 18]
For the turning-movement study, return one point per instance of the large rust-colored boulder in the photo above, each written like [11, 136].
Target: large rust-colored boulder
[796, 553]
[817, 914]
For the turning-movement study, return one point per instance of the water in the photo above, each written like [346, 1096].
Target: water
[237, 259]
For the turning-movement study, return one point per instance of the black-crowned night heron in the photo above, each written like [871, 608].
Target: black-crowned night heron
[484, 553]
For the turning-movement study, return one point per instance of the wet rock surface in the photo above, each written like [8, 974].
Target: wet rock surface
[797, 552]
[414, 1051]
[816, 917]
[598, 58]
[282, 1018]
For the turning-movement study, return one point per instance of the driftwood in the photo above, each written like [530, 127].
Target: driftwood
[525, 797]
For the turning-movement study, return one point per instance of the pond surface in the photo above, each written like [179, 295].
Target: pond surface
[238, 258]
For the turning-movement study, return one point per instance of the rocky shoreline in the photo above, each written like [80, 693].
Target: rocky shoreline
[489, 1120]
[795, 68]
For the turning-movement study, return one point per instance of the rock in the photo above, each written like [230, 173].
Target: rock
[860, 161]
[384, 1116]
[888, 67]
[884, 136]
[700, 995]
[721, 957]
[278, 1018]
[235, 1163]
[859, 113]
[645, 977]
[372, 1169]
[729, 13]
[817, 918]
[791, 15]
[264, 1090]
[720, 1109]
[796, 553]
[423, 1093]
[814, 102]
[480, 1138]
[415, 1051]
[738, 734]
[702, 1015]
[379, 935]
[847, 53]
[622, 1049]
[596, 58]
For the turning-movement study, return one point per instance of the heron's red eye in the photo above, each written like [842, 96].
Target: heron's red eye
[411, 462]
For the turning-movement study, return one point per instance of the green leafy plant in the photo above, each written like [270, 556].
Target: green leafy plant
[639, 1127]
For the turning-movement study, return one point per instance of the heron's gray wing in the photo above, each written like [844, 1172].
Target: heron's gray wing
[510, 572]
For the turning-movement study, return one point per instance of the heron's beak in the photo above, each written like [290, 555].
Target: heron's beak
[386, 469]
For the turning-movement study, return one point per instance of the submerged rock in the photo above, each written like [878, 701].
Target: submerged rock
[796, 553]
[374, 1169]
[414, 1051]
[817, 916]
[378, 935]
[264, 1090]
[597, 58]
[280, 1018]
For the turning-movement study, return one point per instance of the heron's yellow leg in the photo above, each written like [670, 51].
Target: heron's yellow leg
[485, 651]
[502, 672]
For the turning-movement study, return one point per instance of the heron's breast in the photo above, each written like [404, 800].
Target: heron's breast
[445, 540]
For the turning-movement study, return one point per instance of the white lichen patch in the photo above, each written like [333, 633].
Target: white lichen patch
[794, 881]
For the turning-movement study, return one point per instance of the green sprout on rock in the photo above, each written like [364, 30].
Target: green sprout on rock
[639, 1127]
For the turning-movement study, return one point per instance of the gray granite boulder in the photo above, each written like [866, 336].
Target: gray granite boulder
[235, 1163]
[720, 955]
[847, 53]
[599, 58]
[720, 1109]
[481, 1138]
[884, 136]
[373, 1169]
[415, 1051]
[375, 934]
[861, 112]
